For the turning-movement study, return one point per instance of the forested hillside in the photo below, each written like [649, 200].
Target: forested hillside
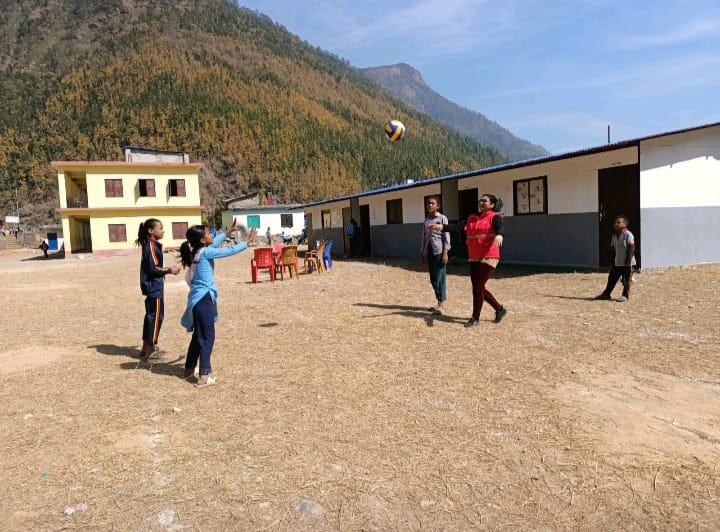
[262, 109]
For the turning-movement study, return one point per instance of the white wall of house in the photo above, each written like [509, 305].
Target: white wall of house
[681, 170]
[413, 203]
[572, 183]
[267, 219]
[680, 198]
[335, 208]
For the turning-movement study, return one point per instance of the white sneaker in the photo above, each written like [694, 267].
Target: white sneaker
[207, 380]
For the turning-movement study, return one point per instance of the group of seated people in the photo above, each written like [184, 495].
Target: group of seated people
[301, 239]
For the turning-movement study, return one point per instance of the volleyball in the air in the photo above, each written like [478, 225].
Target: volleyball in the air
[394, 130]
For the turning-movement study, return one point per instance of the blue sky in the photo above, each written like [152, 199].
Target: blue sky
[556, 73]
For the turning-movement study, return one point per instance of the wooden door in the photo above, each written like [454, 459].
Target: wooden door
[467, 205]
[618, 193]
[365, 227]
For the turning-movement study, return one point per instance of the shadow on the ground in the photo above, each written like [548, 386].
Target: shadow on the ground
[411, 312]
[51, 256]
[578, 298]
[462, 267]
[164, 367]
[116, 350]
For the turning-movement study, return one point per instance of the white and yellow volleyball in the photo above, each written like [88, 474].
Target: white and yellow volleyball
[394, 130]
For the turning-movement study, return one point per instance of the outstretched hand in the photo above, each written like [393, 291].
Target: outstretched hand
[252, 234]
[438, 228]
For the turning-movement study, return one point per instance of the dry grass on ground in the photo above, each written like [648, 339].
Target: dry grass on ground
[345, 406]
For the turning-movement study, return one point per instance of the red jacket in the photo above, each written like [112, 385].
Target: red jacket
[481, 236]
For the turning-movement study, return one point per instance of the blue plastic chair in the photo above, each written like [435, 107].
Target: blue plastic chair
[327, 258]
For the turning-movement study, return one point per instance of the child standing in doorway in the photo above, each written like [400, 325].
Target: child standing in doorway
[198, 254]
[623, 246]
[152, 285]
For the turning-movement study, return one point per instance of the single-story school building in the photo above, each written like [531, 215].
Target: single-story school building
[560, 209]
[247, 211]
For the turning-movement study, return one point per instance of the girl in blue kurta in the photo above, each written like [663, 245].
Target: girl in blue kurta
[198, 254]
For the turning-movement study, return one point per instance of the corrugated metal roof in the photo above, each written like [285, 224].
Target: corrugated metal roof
[516, 164]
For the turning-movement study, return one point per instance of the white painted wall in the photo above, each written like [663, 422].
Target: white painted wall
[572, 183]
[271, 220]
[681, 170]
[413, 203]
[335, 208]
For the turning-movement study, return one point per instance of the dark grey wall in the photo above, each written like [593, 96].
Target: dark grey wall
[559, 239]
[684, 235]
[554, 239]
[336, 235]
[396, 240]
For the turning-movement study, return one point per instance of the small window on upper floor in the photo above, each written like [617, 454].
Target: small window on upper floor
[146, 187]
[177, 187]
[113, 188]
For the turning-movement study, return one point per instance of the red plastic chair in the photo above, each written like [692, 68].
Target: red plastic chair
[278, 247]
[263, 260]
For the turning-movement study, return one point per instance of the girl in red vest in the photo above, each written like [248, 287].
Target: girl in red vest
[484, 233]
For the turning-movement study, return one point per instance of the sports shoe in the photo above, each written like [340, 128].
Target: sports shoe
[622, 299]
[602, 297]
[437, 311]
[500, 314]
[207, 380]
[189, 372]
[155, 356]
[472, 322]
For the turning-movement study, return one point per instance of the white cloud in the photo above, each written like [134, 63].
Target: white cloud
[694, 30]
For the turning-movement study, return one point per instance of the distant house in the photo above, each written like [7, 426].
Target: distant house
[248, 211]
[559, 209]
[102, 203]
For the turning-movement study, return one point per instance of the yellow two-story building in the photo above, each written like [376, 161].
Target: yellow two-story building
[103, 203]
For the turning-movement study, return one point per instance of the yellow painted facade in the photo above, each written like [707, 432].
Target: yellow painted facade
[103, 203]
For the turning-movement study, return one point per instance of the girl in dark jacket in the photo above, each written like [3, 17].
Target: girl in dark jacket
[152, 285]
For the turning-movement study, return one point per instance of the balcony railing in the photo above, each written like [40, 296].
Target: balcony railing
[79, 202]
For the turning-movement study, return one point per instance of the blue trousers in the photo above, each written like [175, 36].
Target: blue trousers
[203, 337]
[154, 314]
[437, 272]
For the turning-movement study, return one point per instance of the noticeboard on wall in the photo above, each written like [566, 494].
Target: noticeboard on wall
[530, 196]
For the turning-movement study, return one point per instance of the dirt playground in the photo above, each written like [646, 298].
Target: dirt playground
[345, 405]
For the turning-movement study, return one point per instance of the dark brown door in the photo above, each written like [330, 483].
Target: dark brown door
[618, 193]
[365, 230]
[346, 216]
[467, 205]
[467, 202]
